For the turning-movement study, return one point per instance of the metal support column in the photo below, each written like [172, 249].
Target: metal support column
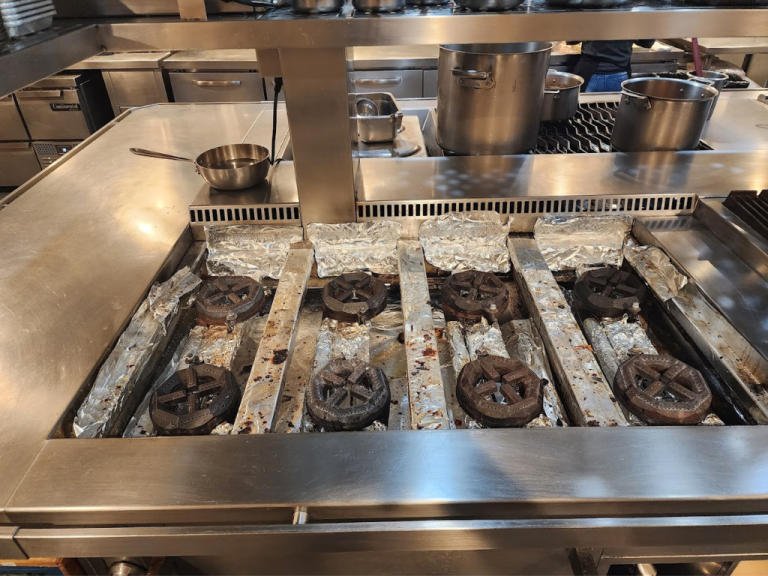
[318, 115]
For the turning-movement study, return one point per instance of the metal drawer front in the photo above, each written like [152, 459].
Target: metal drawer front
[18, 163]
[430, 83]
[11, 126]
[217, 87]
[137, 88]
[401, 83]
[53, 114]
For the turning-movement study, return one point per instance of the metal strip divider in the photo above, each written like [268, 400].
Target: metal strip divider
[265, 383]
[584, 386]
[429, 408]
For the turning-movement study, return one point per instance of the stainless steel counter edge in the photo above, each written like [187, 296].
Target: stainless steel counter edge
[586, 472]
[82, 245]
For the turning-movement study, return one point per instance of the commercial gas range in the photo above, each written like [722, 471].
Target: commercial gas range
[430, 488]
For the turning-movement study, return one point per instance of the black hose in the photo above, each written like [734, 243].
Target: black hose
[278, 87]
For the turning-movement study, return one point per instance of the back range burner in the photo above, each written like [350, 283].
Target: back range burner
[662, 390]
[227, 300]
[499, 392]
[194, 401]
[348, 395]
[608, 293]
[473, 295]
[354, 297]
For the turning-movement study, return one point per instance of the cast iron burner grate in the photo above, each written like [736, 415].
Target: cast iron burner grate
[750, 207]
[589, 131]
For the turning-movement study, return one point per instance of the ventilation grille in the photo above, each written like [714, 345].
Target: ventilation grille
[44, 149]
[275, 214]
[589, 131]
[677, 204]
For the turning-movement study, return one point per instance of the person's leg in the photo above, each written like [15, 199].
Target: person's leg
[596, 83]
[613, 81]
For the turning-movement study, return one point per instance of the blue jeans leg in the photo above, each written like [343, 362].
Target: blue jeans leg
[606, 82]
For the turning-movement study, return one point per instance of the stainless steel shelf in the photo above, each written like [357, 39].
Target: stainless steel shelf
[533, 21]
[29, 59]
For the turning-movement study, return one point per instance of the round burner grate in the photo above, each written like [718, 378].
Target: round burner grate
[194, 401]
[499, 392]
[348, 395]
[354, 297]
[227, 300]
[473, 295]
[662, 390]
[608, 293]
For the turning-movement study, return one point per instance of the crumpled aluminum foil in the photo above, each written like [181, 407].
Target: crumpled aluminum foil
[128, 363]
[656, 267]
[209, 345]
[571, 242]
[627, 338]
[484, 339]
[244, 250]
[459, 241]
[459, 353]
[355, 247]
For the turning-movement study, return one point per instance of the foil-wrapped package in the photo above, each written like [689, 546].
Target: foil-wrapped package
[571, 242]
[460, 241]
[128, 365]
[244, 250]
[627, 338]
[355, 247]
[209, 345]
[655, 266]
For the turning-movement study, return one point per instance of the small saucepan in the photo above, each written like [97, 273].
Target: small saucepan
[561, 96]
[231, 167]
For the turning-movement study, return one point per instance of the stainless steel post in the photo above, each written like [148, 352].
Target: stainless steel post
[318, 115]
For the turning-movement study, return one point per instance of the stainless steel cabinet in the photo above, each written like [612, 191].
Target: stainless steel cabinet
[430, 84]
[18, 163]
[401, 83]
[53, 114]
[217, 86]
[11, 124]
[129, 88]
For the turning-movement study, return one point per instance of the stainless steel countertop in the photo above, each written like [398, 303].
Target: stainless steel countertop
[753, 45]
[212, 60]
[122, 61]
[80, 248]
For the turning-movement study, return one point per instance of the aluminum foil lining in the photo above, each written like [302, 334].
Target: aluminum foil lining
[657, 269]
[255, 251]
[484, 339]
[355, 247]
[571, 242]
[128, 363]
[627, 338]
[459, 241]
[209, 345]
[460, 354]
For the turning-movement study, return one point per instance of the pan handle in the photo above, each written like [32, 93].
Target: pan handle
[627, 96]
[160, 155]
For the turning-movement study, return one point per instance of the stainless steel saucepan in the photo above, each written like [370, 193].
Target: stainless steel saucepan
[231, 167]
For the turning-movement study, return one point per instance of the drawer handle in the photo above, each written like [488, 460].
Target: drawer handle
[377, 81]
[39, 94]
[216, 83]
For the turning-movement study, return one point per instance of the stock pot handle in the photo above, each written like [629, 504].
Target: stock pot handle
[627, 95]
[555, 92]
[471, 74]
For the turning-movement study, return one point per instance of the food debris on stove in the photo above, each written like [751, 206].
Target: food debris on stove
[608, 293]
[354, 297]
[660, 389]
[194, 401]
[499, 392]
[473, 295]
[348, 395]
[228, 300]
